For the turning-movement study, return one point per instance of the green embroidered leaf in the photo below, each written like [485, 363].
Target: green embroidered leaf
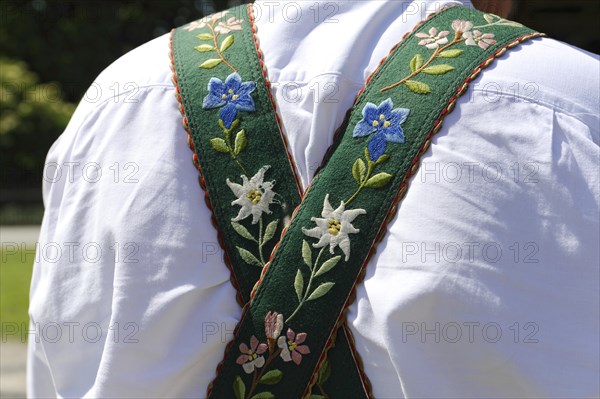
[328, 265]
[239, 389]
[227, 43]
[263, 395]
[271, 378]
[382, 159]
[489, 18]
[240, 141]
[205, 36]
[203, 48]
[315, 396]
[241, 230]
[209, 64]
[359, 170]
[219, 144]
[233, 126]
[299, 285]
[324, 372]
[248, 257]
[450, 53]
[417, 62]
[510, 23]
[379, 180]
[307, 254]
[320, 291]
[418, 87]
[270, 230]
[438, 69]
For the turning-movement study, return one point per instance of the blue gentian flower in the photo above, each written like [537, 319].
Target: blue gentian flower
[232, 95]
[377, 146]
[382, 119]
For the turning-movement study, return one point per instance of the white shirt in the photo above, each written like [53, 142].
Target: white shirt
[486, 285]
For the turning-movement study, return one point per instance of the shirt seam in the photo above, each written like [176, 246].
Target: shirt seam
[546, 104]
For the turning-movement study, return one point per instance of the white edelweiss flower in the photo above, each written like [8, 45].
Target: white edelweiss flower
[254, 196]
[334, 226]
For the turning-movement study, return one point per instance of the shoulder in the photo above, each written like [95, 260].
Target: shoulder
[129, 114]
[549, 73]
[145, 67]
[131, 89]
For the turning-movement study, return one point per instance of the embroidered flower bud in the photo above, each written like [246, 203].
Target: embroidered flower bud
[273, 327]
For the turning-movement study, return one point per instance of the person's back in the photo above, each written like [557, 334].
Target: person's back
[486, 284]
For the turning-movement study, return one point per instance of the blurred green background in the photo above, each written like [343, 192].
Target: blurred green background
[51, 51]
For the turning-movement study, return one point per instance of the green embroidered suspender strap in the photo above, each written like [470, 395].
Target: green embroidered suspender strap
[249, 181]
[295, 310]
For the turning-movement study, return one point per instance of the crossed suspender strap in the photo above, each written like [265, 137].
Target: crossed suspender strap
[292, 341]
[241, 155]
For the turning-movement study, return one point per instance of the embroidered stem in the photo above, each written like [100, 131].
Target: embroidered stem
[256, 377]
[230, 148]
[322, 391]
[370, 165]
[218, 51]
[457, 39]
[260, 241]
[310, 280]
[498, 22]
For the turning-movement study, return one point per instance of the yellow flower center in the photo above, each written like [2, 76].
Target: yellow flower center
[254, 196]
[223, 96]
[292, 345]
[234, 97]
[230, 91]
[333, 227]
[381, 120]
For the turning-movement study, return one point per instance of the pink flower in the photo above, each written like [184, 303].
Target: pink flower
[201, 23]
[476, 38]
[433, 40]
[195, 25]
[290, 348]
[251, 357]
[462, 26]
[231, 24]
